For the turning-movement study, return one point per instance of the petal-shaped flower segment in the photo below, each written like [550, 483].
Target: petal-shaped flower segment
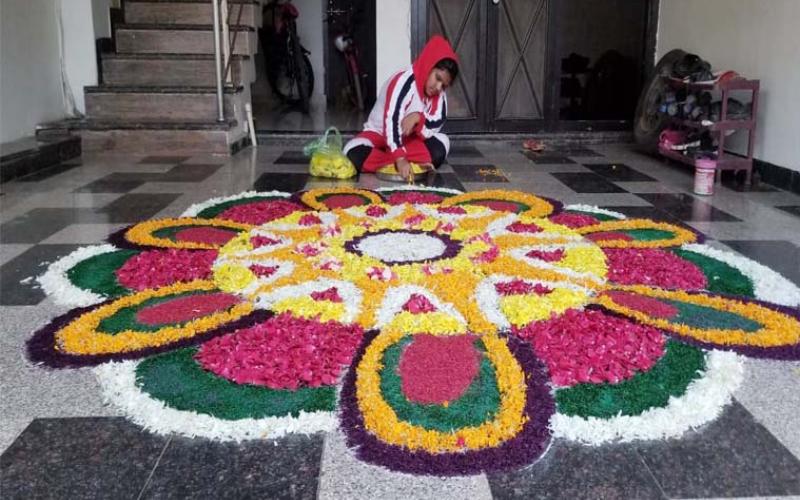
[254, 243]
[572, 219]
[510, 301]
[141, 324]
[283, 352]
[376, 212]
[245, 276]
[505, 201]
[209, 209]
[162, 267]
[302, 221]
[499, 421]
[86, 276]
[404, 307]
[259, 212]
[590, 346]
[309, 300]
[653, 267]
[579, 260]
[637, 233]
[678, 394]
[171, 393]
[413, 195]
[746, 326]
[455, 214]
[184, 232]
[344, 197]
[513, 230]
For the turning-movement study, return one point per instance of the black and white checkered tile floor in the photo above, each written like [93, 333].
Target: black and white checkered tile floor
[59, 439]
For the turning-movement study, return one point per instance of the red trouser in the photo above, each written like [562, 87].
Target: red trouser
[380, 156]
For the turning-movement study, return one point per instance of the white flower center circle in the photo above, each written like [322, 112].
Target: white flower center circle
[401, 246]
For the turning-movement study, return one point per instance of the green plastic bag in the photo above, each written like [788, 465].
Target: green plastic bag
[327, 159]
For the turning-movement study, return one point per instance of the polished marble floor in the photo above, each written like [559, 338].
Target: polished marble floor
[59, 440]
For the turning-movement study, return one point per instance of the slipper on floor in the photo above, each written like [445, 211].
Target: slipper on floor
[533, 145]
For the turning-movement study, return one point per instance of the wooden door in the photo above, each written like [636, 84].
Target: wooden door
[502, 48]
[518, 45]
[463, 23]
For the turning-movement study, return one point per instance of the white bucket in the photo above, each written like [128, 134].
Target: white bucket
[704, 171]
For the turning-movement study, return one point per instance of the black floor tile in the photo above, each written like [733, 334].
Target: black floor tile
[457, 151]
[443, 180]
[639, 212]
[288, 468]
[794, 210]
[576, 151]
[781, 256]
[619, 172]
[292, 158]
[189, 173]
[79, 458]
[547, 158]
[41, 223]
[479, 173]
[571, 471]
[164, 160]
[734, 456]
[652, 213]
[688, 208]
[135, 207]
[109, 186]
[41, 175]
[587, 182]
[795, 184]
[29, 264]
[119, 182]
[289, 182]
[740, 187]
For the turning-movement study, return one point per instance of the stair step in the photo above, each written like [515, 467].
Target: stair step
[180, 39]
[171, 69]
[161, 103]
[32, 154]
[189, 12]
[143, 137]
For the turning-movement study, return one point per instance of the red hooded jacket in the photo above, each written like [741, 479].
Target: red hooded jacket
[401, 95]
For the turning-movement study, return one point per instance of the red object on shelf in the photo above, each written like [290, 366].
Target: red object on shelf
[725, 161]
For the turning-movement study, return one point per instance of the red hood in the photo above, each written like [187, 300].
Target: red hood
[434, 51]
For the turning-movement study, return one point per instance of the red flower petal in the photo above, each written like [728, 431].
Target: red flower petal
[592, 347]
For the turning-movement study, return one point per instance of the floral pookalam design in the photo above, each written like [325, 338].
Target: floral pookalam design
[443, 332]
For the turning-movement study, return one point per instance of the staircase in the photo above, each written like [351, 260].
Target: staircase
[158, 88]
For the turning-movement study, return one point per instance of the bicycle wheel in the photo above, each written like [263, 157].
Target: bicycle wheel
[354, 80]
[648, 121]
[304, 76]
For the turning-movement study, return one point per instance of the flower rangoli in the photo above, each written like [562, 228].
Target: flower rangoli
[443, 332]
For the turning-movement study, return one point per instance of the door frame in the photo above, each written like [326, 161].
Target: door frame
[551, 122]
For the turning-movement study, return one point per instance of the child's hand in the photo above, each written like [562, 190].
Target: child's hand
[409, 123]
[404, 168]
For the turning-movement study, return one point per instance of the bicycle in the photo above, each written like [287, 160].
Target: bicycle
[289, 71]
[345, 44]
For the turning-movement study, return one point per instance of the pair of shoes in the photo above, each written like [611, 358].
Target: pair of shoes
[533, 145]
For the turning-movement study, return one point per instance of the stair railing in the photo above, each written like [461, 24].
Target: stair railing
[224, 41]
[218, 61]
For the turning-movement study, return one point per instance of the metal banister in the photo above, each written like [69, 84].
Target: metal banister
[218, 62]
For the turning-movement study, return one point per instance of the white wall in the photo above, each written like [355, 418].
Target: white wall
[311, 32]
[759, 39]
[101, 14]
[80, 53]
[393, 49]
[30, 72]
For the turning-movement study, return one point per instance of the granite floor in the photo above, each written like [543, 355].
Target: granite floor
[59, 439]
